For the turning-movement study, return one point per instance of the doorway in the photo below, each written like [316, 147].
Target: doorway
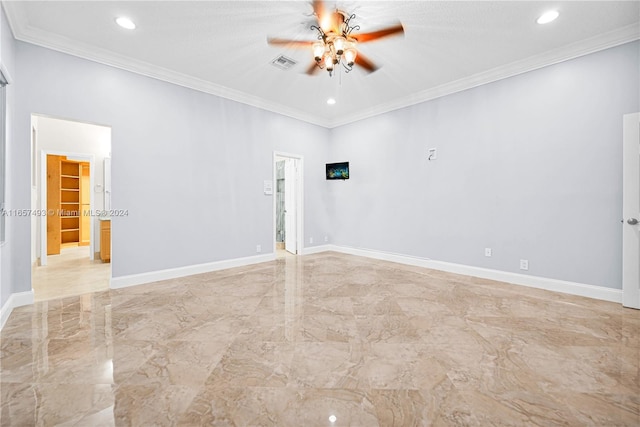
[288, 204]
[68, 160]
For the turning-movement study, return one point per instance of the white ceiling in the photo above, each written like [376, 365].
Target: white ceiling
[221, 47]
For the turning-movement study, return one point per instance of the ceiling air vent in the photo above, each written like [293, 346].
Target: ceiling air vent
[283, 62]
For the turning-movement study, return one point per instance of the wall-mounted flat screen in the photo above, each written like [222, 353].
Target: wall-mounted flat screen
[338, 170]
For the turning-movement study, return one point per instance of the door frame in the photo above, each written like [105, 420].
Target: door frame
[630, 209]
[85, 157]
[299, 199]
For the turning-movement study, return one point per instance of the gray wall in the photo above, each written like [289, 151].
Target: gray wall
[188, 166]
[8, 257]
[529, 166]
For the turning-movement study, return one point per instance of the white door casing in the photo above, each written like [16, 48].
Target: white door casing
[294, 223]
[290, 206]
[631, 211]
[43, 198]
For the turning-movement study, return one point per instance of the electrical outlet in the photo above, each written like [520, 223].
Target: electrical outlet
[524, 264]
[487, 251]
[258, 248]
[326, 238]
[310, 240]
[432, 154]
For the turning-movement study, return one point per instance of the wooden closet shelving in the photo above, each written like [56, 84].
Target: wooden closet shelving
[68, 200]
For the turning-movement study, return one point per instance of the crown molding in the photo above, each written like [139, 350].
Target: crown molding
[35, 36]
[584, 47]
[26, 33]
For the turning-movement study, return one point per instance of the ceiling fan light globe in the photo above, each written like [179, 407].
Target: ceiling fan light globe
[350, 56]
[339, 44]
[328, 62]
[318, 50]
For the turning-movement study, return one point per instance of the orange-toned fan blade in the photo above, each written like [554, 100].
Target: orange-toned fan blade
[365, 63]
[289, 43]
[375, 35]
[320, 11]
[313, 69]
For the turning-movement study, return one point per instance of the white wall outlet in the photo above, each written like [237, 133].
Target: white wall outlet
[524, 264]
[258, 248]
[310, 240]
[487, 251]
[326, 238]
[432, 154]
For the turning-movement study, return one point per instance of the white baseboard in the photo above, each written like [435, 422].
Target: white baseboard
[17, 299]
[172, 273]
[573, 288]
[317, 249]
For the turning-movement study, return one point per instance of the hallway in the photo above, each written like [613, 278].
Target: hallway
[70, 273]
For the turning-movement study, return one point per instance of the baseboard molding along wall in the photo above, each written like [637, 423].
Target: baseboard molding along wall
[597, 292]
[15, 300]
[318, 249]
[173, 273]
[573, 288]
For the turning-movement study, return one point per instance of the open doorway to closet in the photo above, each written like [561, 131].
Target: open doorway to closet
[288, 204]
[71, 188]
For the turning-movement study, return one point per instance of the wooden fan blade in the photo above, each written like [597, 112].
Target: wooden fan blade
[321, 13]
[375, 35]
[365, 63]
[318, 8]
[289, 43]
[313, 69]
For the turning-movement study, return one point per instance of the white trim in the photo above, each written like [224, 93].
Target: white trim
[299, 198]
[563, 286]
[22, 31]
[15, 300]
[5, 73]
[43, 199]
[173, 273]
[584, 47]
[318, 249]
[76, 48]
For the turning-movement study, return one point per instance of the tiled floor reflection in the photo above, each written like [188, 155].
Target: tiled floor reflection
[69, 273]
[300, 339]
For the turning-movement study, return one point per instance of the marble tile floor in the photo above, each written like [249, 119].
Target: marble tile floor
[295, 341]
[70, 273]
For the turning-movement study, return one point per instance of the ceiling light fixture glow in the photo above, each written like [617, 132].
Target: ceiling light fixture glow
[334, 41]
[125, 22]
[547, 17]
[337, 37]
[331, 101]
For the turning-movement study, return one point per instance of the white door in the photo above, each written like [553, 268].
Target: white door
[290, 217]
[631, 212]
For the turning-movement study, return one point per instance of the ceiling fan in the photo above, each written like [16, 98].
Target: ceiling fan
[337, 40]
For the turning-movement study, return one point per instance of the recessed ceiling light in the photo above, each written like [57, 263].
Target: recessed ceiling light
[331, 101]
[548, 17]
[125, 22]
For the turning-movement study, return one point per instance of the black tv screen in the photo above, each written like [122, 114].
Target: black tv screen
[338, 170]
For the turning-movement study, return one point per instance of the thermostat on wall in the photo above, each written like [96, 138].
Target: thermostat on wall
[268, 187]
